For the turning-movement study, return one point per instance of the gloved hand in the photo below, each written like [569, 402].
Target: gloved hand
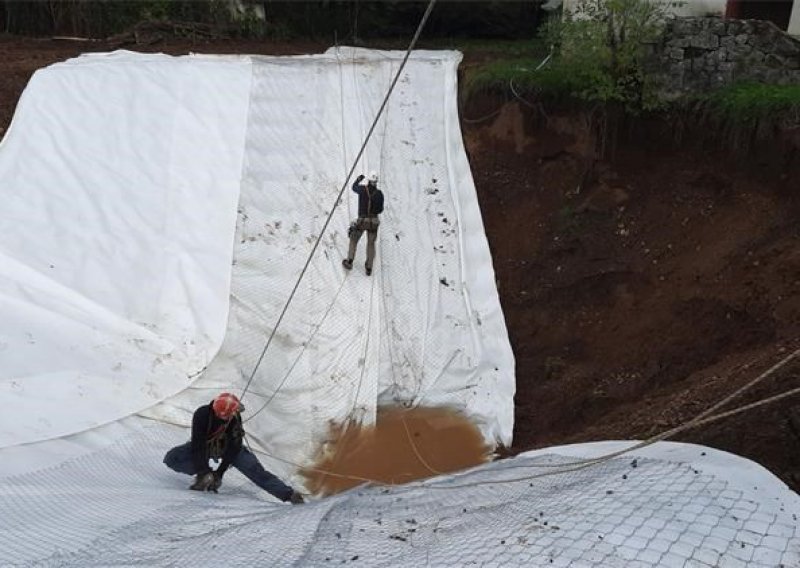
[205, 482]
[296, 498]
[359, 178]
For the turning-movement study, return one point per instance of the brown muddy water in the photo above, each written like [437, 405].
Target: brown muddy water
[403, 445]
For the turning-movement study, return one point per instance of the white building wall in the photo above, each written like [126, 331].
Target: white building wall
[709, 7]
[689, 8]
[701, 8]
[794, 20]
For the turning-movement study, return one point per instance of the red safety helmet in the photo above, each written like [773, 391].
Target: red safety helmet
[226, 405]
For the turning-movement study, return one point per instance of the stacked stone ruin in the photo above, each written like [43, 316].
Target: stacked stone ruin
[700, 54]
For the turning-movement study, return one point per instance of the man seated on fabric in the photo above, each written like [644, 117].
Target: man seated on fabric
[218, 434]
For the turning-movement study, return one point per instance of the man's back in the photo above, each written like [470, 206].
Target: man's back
[370, 200]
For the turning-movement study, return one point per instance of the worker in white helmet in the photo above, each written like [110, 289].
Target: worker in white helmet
[370, 205]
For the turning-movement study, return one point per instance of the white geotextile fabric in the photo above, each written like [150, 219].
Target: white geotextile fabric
[125, 175]
[132, 184]
[120, 182]
[426, 327]
[102, 498]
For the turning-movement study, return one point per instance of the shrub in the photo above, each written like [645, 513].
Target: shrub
[600, 51]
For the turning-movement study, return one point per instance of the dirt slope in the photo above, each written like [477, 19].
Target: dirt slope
[636, 295]
[640, 293]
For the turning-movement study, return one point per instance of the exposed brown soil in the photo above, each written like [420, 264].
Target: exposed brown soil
[637, 293]
[404, 445]
[642, 291]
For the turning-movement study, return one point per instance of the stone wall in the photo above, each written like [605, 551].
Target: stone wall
[698, 54]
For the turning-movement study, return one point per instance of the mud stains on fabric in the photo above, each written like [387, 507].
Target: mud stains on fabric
[403, 445]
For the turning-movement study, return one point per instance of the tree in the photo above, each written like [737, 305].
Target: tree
[602, 45]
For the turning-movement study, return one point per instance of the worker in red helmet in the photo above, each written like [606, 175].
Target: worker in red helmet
[217, 436]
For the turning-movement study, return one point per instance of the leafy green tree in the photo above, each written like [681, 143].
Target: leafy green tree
[601, 48]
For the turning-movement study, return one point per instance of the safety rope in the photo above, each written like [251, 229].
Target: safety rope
[306, 344]
[312, 469]
[342, 115]
[352, 415]
[542, 64]
[416, 450]
[583, 464]
[366, 348]
[386, 319]
[339, 196]
[562, 467]
[341, 104]
[513, 92]
[518, 96]
[701, 419]
[483, 118]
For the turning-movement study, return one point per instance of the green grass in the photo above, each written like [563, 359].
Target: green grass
[744, 104]
[491, 64]
[753, 102]
[551, 81]
[497, 49]
[506, 48]
[496, 75]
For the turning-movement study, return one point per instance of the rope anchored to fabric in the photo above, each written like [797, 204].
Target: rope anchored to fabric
[339, 196]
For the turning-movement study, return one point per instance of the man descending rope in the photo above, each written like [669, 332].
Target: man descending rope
[217, 435]
[370, 205]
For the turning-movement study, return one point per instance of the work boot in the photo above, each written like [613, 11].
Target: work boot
[347, 263]
[368, 270]
[205, 482]
[216, 484]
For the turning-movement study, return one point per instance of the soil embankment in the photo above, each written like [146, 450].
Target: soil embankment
[640, 291]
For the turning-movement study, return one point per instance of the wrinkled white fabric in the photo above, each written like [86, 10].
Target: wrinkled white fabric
[120, 182]
[160, 210]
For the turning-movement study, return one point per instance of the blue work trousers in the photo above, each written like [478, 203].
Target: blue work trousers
[180, 459]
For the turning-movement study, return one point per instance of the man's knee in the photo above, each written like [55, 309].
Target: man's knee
[171, 458]
[179, 459]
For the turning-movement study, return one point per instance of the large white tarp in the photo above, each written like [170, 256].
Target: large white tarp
[160, 210]
[120, 182]
[157, 211]
[426, 327]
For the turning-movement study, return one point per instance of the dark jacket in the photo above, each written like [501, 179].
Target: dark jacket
[215, 438]
[370, 199]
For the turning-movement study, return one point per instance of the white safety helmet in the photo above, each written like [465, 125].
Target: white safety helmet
[373, 177]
